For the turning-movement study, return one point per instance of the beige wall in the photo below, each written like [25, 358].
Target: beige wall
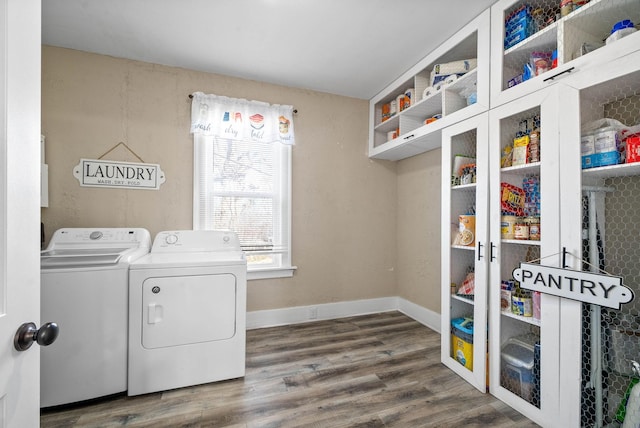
[344, 205]
[419, 229]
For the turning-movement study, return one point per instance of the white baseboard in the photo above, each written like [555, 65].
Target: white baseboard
[419, 313]
[326, 311]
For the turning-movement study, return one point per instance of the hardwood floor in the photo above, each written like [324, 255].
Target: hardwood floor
[380, 370]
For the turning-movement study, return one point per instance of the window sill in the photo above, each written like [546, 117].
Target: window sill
[269, 273]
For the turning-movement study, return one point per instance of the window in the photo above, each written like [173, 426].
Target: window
[244, 185]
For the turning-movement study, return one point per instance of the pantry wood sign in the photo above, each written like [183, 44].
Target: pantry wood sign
[128, 175]
[602, 290]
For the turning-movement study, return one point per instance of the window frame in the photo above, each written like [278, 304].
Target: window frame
[256, 271]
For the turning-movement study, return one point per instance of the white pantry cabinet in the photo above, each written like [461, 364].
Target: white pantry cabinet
[450, 102]
[522, 29]
[464, 249]
[524, 356]
[522, 346]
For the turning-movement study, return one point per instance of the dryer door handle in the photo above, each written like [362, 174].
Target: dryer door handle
[154, 313]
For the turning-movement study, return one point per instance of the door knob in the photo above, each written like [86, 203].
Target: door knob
[28, 333]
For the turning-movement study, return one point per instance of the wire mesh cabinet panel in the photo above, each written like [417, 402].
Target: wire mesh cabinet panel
[524, 227]
[601, 230]
[464, 249]
[536, 43]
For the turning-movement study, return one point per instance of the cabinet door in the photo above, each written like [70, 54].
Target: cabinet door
[524, 327]
[600, 229]
[528, 32]
[464, 249]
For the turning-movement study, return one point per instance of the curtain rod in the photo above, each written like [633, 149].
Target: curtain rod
[295, 110]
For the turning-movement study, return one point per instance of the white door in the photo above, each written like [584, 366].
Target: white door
[19, 208]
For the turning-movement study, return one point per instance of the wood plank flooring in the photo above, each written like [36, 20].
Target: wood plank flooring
[380, 370]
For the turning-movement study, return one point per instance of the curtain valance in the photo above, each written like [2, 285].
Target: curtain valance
[240, 119]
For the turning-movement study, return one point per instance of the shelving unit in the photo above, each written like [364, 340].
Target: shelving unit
[414, 136]
[590, 24]
[588, 83]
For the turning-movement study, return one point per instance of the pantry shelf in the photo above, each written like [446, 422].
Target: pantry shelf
[622, 170]
[462, 187]
[468, 300]
[528, 320]
[528, 168]
[463, 247]
[520, 242]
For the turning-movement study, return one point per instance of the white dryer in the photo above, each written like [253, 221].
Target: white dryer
[84, 289]
[187, 311]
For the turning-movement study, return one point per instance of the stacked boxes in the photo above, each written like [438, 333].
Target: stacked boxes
[602, 147]
[518, 26]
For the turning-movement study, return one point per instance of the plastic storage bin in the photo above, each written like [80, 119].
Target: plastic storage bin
[462, 341]
[519, 371]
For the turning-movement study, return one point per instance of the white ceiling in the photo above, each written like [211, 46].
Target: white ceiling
[347, 47]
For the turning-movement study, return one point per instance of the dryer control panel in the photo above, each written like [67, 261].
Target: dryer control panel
[179, 241]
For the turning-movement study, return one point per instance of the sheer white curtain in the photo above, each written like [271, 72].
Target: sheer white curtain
[239, 119]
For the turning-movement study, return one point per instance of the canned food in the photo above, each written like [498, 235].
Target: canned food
[522, 306]
[521, 230]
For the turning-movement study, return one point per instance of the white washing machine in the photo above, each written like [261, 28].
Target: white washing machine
[84, 289]
[187, 311]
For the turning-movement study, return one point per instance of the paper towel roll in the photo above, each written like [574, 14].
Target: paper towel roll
[428, 92]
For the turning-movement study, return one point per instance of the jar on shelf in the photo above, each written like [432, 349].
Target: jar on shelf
[534, 227]
[566, 7]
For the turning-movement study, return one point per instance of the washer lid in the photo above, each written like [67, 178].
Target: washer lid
[182, 260]
[67, 258]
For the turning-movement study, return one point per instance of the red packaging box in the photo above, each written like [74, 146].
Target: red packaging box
[633, 149]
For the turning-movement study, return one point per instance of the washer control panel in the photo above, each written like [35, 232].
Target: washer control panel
[91, 236]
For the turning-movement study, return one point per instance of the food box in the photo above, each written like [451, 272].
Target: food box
[515, 38]
[524, 22]
[587, 161]
[515, 81]
[511, 199]
[462, 341]
[520, 150]
[522, 12]
[633, 149]
[518, 370]
[605, 159]
[506, 290]
[606, 140]
[587, 145]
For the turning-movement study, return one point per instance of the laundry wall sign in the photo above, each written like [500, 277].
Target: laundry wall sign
[602, 290]
[113, 174]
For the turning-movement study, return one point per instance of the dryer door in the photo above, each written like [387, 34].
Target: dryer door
[183, 310]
